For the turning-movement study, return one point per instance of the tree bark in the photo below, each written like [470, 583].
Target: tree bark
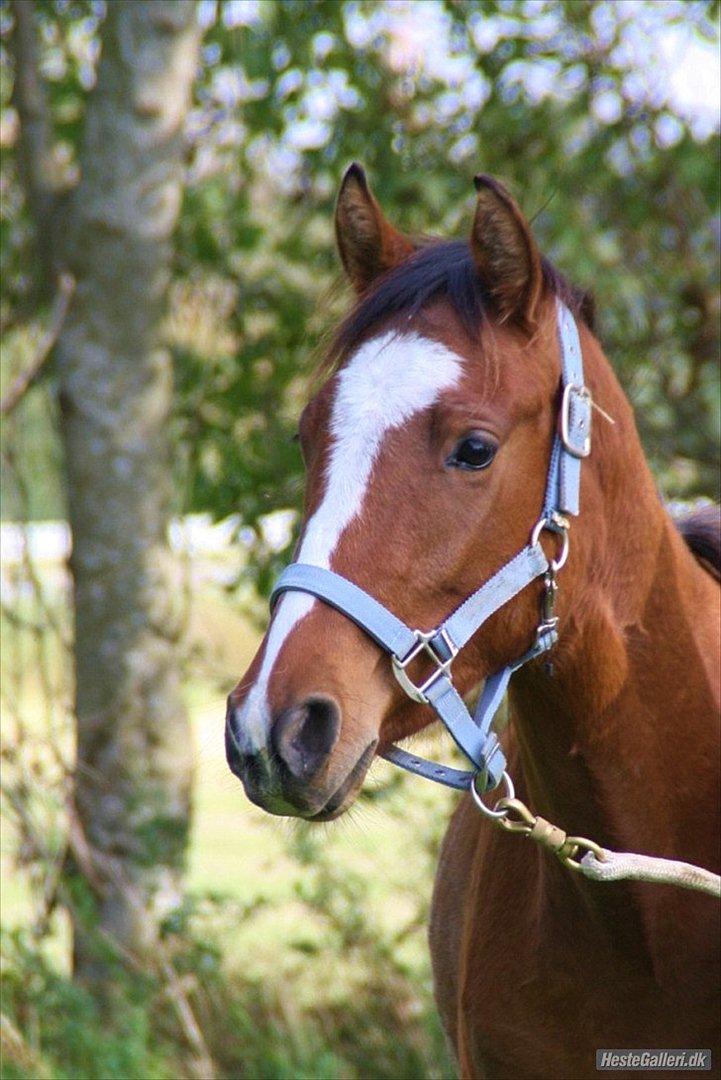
[132, 789]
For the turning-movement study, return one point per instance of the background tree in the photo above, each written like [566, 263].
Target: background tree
[132, 787]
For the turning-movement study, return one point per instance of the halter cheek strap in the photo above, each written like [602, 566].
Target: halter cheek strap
[472, 734]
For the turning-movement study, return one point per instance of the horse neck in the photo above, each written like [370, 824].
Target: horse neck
[619, 742]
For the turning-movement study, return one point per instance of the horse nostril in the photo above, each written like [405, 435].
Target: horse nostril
[304, 735]
[232, 750]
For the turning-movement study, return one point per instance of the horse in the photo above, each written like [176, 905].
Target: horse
[427, 450]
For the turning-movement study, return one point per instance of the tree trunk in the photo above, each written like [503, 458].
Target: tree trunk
[132, 790]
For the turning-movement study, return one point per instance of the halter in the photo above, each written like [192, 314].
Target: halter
[472, 733]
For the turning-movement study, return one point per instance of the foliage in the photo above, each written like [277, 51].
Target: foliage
[72, 1038]
[383, 1027]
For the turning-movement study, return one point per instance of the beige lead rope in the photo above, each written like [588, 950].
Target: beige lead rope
[597, 863]
[625, 864]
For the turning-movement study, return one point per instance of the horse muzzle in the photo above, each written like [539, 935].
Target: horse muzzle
[297, 774]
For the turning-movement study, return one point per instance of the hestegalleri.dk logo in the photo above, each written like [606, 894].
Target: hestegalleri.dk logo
[683, 1060]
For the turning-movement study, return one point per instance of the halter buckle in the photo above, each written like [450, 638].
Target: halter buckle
[576, 406]
[423, 644]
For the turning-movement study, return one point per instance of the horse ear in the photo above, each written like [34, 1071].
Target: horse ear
[505, 253]
[368, 244]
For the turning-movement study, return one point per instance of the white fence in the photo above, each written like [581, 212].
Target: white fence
[216, 551]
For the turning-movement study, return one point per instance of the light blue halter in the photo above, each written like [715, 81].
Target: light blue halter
[473, 734]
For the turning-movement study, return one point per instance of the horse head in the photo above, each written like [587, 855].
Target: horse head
[427, 450]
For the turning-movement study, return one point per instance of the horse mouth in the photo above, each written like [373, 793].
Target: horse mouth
[341, 799]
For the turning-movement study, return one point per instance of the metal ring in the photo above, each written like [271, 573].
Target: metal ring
[510, 794]
[538, 528]
[544, 523]
[556, 564]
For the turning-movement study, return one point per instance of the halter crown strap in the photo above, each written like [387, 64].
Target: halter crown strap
[472, 734]
[572, 441]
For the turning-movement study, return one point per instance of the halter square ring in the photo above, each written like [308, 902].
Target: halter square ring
[423, 644]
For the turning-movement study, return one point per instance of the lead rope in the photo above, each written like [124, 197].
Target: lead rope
[586, 856]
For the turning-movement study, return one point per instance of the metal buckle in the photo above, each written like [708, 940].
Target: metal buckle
[575, 446]
[443, 667]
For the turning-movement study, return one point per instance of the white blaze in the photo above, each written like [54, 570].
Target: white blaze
[388, 380]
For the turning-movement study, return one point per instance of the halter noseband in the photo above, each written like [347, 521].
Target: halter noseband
[473, 734]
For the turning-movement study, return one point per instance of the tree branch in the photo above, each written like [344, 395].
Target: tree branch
[35, 144]
[66, 288]
[19, 1052]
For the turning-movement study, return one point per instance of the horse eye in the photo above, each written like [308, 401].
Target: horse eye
[473, 452]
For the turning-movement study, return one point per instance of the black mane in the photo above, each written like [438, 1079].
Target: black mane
[701, 529]
[440, 269]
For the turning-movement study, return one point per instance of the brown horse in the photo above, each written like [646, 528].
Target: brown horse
[427, 450]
